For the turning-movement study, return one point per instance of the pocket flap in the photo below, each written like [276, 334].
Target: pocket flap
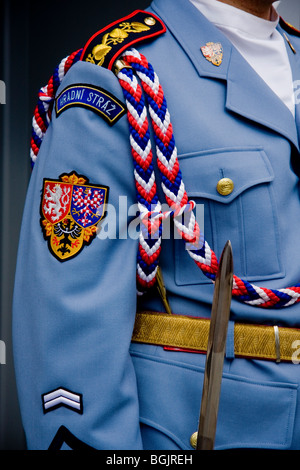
[245, 167]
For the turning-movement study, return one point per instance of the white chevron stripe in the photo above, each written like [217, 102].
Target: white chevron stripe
[163, 125]
[140, 119]
[147, 186]
[294, 296]
[168, 164]
[143, 276]
[150, 251]
[61, 401]
[154, 85]
[132, 82]
[142, 153]
[62, 397]
[61, 392]
[175, 198]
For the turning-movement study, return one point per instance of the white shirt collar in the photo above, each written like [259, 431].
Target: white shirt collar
[259, 42]
[224, 15]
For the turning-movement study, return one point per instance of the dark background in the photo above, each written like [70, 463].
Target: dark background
[34, 37]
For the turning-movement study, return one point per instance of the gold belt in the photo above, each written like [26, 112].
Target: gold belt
[191, 334]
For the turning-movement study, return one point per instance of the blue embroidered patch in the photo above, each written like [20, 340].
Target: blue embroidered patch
[91, 97]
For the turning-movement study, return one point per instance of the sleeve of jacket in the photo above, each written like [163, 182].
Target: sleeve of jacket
[73, 320]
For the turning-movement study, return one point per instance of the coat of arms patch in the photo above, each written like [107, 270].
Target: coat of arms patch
[71, 210]
[213, 52]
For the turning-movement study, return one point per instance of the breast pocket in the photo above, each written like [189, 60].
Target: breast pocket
[234, 187]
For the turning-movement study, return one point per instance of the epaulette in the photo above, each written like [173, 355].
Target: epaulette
[289, 28]
[104, 47]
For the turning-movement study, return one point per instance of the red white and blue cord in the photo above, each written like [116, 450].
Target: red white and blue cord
[46, 96]
[171, 179]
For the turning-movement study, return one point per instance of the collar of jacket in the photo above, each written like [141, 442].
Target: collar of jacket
[247, 94]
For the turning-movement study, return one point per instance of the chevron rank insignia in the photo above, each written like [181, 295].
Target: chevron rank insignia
[71, 210]
[62, 397]
[108, 44]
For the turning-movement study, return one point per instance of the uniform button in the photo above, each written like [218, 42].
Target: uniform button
[193, 439]
[225, 186]
[150, 21]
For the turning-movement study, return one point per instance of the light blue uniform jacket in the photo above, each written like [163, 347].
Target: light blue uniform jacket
[73, 320]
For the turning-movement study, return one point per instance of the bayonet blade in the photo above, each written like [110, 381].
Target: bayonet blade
[216, 346]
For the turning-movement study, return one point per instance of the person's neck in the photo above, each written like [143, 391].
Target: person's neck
[261, 8]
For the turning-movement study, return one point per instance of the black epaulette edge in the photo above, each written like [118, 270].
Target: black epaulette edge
[289, 28]
[104, 47]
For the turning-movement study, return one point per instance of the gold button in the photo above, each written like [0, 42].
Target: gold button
[225, 186]
[150, 21]
[193, 439]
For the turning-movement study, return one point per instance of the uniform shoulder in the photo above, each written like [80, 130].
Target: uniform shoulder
[102, 49]
[289, 28]
[105, 46]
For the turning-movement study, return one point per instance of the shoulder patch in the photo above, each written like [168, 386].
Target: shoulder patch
[289, 28]
[71, 209]
[107, 45]
[93, 98]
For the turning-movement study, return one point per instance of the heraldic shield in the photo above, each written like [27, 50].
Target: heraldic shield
[213, 52]
[71, 210]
